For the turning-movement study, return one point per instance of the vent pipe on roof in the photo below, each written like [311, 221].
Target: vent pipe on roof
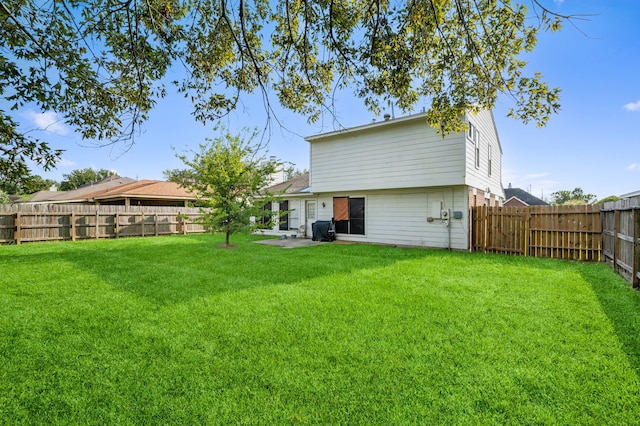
[387, 117]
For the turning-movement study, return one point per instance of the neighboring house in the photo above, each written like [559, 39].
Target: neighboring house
[144, 193]
[630, 195]
[293, 195]
[122, 191]
[400, 182]
[78, 194]
[516, 197]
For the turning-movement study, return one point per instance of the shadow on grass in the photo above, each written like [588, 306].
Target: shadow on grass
[168, 270]
[621, 304]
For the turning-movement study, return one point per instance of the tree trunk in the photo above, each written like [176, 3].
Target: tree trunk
[226, 241]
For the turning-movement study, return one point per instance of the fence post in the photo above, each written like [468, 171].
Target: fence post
[72, 226]
[527, 232]
[616, 244]
[16, 234]
[635, 279]
[97, 222]
[116, 228]
[142, 224]
[472, 229]
[184, 226]
[155, 223]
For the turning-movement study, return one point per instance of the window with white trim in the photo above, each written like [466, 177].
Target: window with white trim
[474, 136]
[348, 213]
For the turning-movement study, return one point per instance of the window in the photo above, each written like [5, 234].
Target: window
[284, 220]
[474, 136]
[348, 214]
[267, 214]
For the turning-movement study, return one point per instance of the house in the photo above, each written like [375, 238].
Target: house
[630, 195]
[122, 191]
[516, 197]
[293, 194]
[78, 194]
[399, 182]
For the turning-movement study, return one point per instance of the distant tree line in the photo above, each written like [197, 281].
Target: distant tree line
[30, 184]
[577, 197]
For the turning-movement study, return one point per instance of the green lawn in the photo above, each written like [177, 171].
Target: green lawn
[173, 330]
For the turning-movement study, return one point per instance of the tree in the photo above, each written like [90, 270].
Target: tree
[4, 197]
[80, 177]
[608, 199]
[26, 184]
[575, 197]
[229, 176]
[291, 172]
[179, 176]
[102, 64]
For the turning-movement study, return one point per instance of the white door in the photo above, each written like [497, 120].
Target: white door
[310, 212]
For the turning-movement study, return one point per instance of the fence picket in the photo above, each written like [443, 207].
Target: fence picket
[563, 232]
[25, 222]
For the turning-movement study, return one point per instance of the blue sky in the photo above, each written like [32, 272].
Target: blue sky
[593, 143]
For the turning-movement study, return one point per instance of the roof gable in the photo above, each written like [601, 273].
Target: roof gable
[524, 196]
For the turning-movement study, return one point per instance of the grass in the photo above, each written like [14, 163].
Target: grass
[174, 330]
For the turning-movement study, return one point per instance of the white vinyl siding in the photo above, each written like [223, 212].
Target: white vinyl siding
[481, 177]
[400, 217]
[402, 153]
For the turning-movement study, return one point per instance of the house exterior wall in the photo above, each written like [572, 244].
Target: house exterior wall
[514, 202]
[478, 176]
[400, 153]
[402, 216]
[296, 218]
[406, 173]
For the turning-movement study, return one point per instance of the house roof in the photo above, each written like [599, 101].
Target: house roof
[143, 189]
[373, 125]
[387, 122]
[631, 194]
[43, 196]
[79, 193]
[297, 185]
[116, 188]
[524, 197]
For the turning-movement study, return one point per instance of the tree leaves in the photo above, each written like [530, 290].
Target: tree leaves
[101, 64]
[229, 175]
[574, 197]
[80, 177]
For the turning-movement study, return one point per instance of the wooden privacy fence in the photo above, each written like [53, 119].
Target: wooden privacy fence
[27, 223]
[608, 232]
[561, 232]
[621, 238]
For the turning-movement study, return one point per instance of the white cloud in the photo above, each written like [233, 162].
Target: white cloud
[633, 166]
[633, 106]
[65, 163]
[48, 121]
[537, 175]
